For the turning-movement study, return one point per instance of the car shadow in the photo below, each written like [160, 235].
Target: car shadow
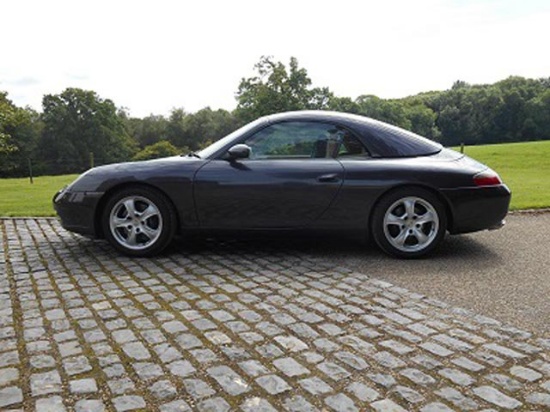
[333, 248]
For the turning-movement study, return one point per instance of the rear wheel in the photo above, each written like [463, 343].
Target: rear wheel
[138, 221]
[409, 222]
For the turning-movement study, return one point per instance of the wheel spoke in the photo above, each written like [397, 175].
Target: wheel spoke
[409, 207]
[119, 221]
[420, 236]
[149, 212]
[130, 207]
[131, 238]
[394, 220]
[427, 217]
[401, 238]
[149, 231]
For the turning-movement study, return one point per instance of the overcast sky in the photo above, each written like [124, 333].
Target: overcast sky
[151, 56]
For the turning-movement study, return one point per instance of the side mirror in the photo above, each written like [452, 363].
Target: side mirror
[239, 151]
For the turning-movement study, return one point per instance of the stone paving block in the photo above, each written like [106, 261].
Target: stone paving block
[458, 399]
[436, 407]
[340, 403]
[539, 399]
[333, 371]
[76, 365]
[408, 394]
[386, 405]
[418, 377]
[10, 396]
[229, 380]
[525, 374]
[51, 404]
[216, 404]
[89, 405]
[163, 389]
[456, 376]
[136, 350]
[298, 404]
[273, 384]
[45, 383]
[128, 403]
[495, 397]
[257, 404]
[121, 386]
[290, 343]
[81, 386]
[8, 375]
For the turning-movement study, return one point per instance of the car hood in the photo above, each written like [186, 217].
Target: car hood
[101, 178]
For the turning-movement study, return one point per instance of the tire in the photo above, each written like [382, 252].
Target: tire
[138, 221]
[409, 222]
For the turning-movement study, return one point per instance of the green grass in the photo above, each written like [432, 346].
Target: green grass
[524, 167]
[20, 198]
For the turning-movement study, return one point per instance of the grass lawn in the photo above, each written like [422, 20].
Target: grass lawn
[20, 198]
[524, 167]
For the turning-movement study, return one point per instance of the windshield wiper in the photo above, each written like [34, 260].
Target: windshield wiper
[193, 154]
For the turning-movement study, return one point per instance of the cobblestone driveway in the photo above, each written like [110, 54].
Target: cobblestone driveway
[240, 328]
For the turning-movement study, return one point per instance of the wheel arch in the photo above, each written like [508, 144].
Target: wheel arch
[444, 201]
[125, 185]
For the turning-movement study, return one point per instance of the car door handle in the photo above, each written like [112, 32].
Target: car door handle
[331, 177]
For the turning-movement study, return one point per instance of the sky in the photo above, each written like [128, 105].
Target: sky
[152, 56]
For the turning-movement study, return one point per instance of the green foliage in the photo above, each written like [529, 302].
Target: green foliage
[158, 150]
[19, 134]
[78, 122]
[193, 130]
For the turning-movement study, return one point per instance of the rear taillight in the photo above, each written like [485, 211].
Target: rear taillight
[487, 178]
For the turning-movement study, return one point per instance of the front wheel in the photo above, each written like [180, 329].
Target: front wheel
[409, 222]
[138, 221]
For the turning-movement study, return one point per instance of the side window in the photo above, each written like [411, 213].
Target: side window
[302, 140]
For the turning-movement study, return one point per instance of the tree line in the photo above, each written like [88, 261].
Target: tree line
[77, 124]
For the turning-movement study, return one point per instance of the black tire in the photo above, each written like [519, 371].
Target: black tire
[409, 222]
[139, 221]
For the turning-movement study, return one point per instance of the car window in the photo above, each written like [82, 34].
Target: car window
[302, 140]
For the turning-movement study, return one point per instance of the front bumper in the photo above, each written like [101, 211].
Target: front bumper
[477, 208]
[77, 210]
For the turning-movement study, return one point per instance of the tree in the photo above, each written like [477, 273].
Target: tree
[147, 131]
[19, 132]
[7, 123]
[78, 122]
[196, 130]
[275, 89]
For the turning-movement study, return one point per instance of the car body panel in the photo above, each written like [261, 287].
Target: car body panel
[255, 194]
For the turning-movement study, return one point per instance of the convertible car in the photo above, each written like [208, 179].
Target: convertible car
[305, 170]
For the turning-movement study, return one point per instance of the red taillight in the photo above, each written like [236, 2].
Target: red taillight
[487, 178]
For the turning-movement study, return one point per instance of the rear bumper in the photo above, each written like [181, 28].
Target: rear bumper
[77, 211]
[477, 208]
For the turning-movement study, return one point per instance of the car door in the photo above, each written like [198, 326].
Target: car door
[288, 181]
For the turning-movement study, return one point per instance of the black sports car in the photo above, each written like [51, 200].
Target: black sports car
[311, 170]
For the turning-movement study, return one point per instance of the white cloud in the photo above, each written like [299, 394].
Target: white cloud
[150, 57]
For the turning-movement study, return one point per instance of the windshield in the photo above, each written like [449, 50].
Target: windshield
[214, 147]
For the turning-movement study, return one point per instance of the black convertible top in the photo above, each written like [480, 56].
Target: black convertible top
[381, 139]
